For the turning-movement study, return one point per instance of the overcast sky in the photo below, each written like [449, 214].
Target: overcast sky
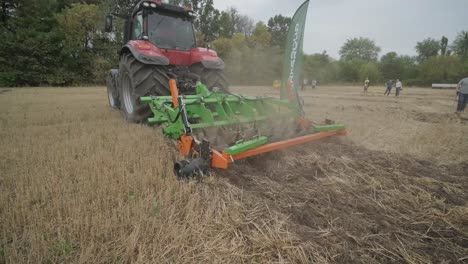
[395, 25]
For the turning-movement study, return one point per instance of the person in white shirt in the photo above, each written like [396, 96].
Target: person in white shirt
[366, 85]
[314, 84]
[398, 86]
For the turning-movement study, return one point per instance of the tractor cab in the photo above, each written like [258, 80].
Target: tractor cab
[167, 26]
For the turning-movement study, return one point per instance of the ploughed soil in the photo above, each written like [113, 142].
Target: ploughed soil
[348, 204]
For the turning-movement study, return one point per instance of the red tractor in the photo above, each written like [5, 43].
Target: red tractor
[159, 45]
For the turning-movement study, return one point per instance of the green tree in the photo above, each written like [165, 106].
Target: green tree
[209, 21]
[410, 69]
[441, 69]
[359, 49]
[226, 27]
[31, 44]
[244, 24]
[391, 66]
[7, 8]
[460, 45]
[278, 26]
[330, 73]
[196, 5]
[123, 7]
[427, 48]
[349, 70]
[235, 52]
[443, 46]
[261, 36]
[231, 22]
[370, 70]
[321, 67]
[240, 23]
[79, 23]
[223, 46]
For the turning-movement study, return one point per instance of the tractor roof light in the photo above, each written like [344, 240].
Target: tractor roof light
[146, 4]
[153, 5]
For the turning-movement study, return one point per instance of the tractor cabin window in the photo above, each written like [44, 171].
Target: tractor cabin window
[137, 26]
[169, 31]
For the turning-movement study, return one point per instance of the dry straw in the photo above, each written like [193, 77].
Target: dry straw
[80, 185]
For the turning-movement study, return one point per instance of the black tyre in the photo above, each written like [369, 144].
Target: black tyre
[212, 77]
[137, 80]
[112, 92]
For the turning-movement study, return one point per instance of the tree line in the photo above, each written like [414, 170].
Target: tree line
[436, 62]
[62, 42]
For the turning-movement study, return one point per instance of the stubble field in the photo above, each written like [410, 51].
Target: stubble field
[78, 184]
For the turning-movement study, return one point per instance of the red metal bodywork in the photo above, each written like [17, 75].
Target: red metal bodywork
[174, 57]
[145, 47]
[148, 53]
[196, 55]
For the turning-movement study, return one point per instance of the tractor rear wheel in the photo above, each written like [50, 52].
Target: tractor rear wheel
[137, 80]
[212, 78]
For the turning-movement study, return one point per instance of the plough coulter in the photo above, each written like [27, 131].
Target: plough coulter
[214, 129]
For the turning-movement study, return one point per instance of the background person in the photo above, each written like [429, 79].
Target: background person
[314, 84]
[462, 95]
[366, 85]
[304, 84]
[398, 86]
[389, 87]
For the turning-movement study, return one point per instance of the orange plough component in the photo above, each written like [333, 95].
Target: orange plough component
[222, 160]
[174, 92]
[214, 109]
[185, 145]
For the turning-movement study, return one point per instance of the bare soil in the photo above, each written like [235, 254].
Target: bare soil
[362, 206]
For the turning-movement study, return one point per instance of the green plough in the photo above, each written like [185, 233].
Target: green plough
[215, 129]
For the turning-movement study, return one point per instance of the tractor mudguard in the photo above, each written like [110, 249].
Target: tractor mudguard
[208, 58]
[213, 64]
[145, 52]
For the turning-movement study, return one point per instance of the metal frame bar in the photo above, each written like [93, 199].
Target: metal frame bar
[222, 160]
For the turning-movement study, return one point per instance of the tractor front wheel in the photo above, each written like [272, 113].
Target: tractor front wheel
[137, 80]
[112, 92]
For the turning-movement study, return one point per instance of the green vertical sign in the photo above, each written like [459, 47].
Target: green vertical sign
[294, 57]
